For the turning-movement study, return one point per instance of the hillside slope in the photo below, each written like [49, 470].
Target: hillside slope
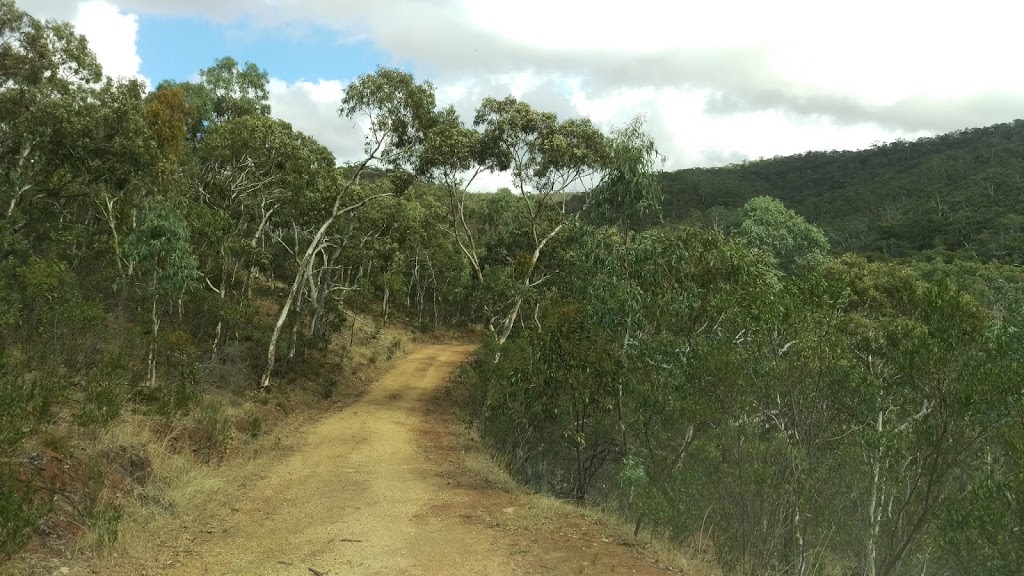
[959, 192]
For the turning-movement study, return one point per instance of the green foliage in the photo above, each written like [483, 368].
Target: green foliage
[957, 193]
[28, 401]
[538, 149]
[104, 522]
[212, 432]
[699, 390]
[225, 91]
[253, 425]
[999, 287]
[325, 387]
[237, 91]
[794, 244]
[180, 213]
[631, 189]
[399, 111]
[738, 385]
[393, 348]
[629, 365]
[176, 397]
[160, 252]
[19, 514]
[57, 323]
[100, 405]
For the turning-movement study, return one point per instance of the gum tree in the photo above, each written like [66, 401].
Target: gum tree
[395, 113]
[559, 169]
[160, 255]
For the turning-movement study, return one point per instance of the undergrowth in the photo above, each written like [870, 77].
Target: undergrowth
[111, 472]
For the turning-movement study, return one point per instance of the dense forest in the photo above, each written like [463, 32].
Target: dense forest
[801, 366]
[960, 194]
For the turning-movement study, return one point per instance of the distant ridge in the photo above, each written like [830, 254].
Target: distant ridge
[959, 193]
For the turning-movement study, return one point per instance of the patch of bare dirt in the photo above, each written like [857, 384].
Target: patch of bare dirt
[383, 487]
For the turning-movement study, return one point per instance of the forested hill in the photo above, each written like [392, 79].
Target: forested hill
[959, 192]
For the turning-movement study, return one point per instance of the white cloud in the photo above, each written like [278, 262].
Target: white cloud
[58, 9]
[312, 108]
[112, 36]
[719, 81]
[679, 119]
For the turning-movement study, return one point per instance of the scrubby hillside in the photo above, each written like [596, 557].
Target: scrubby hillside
[961, 192]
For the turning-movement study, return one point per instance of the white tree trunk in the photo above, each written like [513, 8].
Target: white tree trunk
[300, 277]
[295, 328]
[151, 380]
[874, 514]
[220, 321]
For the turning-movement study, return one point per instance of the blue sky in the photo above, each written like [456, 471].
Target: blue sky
[177, 48]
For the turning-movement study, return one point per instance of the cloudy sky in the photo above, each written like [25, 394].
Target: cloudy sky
[718, 81]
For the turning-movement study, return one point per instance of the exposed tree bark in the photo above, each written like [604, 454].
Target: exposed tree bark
[874, 512]
[300, 274]
[221, 294]
[154, 329]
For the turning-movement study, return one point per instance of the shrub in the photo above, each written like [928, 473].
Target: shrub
[394, 347]
[20, 513]
[212, 433]
[101, 403]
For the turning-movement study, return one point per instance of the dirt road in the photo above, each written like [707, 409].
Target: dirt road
[378, 488]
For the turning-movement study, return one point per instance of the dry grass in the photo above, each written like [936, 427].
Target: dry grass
[182, 493]
[200, 463]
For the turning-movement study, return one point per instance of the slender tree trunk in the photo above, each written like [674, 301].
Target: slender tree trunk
[19, 188]
[220, 321]
[295, 327]
[155, 327]
[506, 328]
[801, 561]
[300, 277]
[510, 321]
[410, 296]
[436, 319]
[874, 515]
[314, 323]
[216, 339]
[112, 222]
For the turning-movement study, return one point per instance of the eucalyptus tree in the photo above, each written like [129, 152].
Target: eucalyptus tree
[395, 114]
[558, 168]
[931, 382]
[257, 178]
[451, 158]
[76, 150]
[877, 396]
[236, 90]
[45, 70]
[119, 163]
[225, 90]
[169, 114]
[791, 241]
[434, 266]
[629, 372]
[160, 254]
